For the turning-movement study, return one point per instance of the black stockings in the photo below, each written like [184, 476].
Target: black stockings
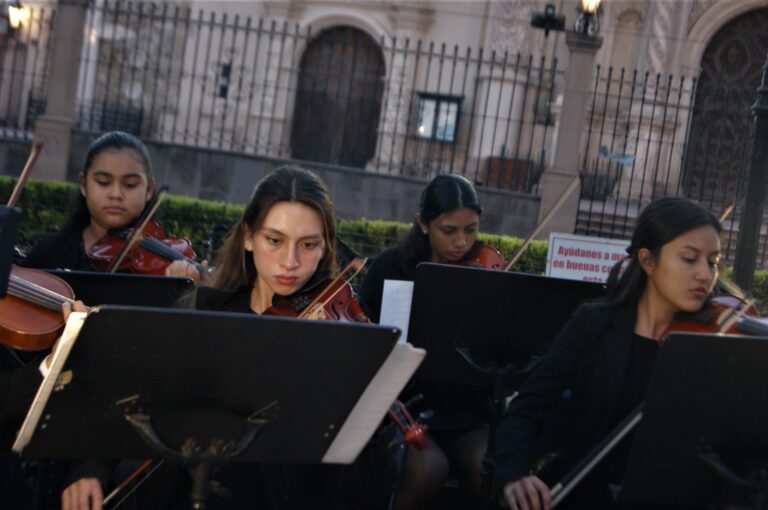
[426, 471]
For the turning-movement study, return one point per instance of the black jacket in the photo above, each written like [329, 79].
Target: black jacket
[570, 401]
[59, 251]
[19, 382]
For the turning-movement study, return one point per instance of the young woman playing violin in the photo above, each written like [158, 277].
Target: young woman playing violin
[276, 258]
[599, 365]
[115, 186]
[444, 231]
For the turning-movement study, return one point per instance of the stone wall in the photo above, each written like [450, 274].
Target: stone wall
[227, 176]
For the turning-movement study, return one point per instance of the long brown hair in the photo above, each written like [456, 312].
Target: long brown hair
[234, 267]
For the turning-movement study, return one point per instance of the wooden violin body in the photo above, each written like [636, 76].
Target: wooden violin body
[484, 256]
[332, 301]
[30, 314]
[721, 314]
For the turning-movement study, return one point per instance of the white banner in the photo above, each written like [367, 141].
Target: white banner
[583, 258]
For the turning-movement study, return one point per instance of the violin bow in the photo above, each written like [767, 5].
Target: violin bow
[139, 228]
[37, 148]
[557, 205]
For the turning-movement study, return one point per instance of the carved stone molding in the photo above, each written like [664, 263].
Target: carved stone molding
[631, 17]
[698, 10]
[411, 17]
[510, 29]
[661, 30]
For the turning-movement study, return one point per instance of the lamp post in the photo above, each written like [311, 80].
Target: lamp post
[18, 15]
[757, 183]
[583, 43]
[587, 22]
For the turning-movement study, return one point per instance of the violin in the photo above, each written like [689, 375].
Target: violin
[334, 300]
[142, 247]
[151, 255]
[484, 256]
[30, 313]
[724, 314]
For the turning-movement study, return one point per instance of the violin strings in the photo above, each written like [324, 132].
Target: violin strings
[36, 294]
[51, 296]
[32, 298]
[29, 296]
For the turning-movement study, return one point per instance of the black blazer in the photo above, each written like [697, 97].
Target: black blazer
[570, 401]
[18, 386]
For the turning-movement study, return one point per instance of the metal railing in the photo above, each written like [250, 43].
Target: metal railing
[395, 106]
[649, 137]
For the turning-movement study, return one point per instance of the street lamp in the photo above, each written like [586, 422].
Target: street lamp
[18, 15]
[588, 22]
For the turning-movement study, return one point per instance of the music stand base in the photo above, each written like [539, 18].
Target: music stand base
[200, 461]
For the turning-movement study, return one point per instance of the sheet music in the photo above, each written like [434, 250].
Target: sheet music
[377, 398]
[68, 337]
[396, 306]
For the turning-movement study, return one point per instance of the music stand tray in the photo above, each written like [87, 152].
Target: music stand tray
[708, 395]
[321, 388]
[95, 288]
[497, 316]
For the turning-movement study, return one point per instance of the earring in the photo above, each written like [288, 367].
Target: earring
[424, 232]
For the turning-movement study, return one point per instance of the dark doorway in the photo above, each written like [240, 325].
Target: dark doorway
[721, 121]
[338, 98]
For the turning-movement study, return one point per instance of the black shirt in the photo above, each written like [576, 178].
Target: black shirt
[610, 471]
[59, 251]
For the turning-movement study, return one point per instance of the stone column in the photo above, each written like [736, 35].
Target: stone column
[53, 128]
[565, 166]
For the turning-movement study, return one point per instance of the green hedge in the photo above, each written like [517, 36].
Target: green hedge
[45, 205]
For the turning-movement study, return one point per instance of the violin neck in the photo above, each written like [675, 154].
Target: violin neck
[35, 294]
[752, 326]
[162, 250]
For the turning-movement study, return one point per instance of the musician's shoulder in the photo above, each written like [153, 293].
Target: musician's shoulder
[204, 297]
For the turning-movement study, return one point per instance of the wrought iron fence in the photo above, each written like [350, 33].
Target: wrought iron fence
[396, 106]
[652, 135]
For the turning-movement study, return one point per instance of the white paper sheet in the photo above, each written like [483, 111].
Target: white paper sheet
[396, 306]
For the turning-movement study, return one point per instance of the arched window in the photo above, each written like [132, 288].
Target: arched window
[338, 101]
[721, 120]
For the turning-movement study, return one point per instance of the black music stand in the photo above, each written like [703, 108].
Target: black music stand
[95, 288]
[204, 388]
[497, 317]
[9, 225]
[483, 328]
[704, 430]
